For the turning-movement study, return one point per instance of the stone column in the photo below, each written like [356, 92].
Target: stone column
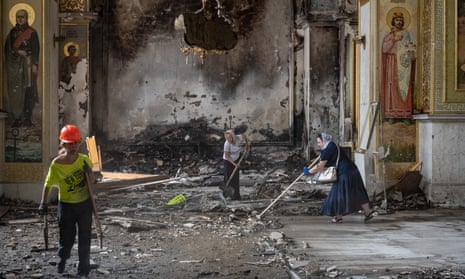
[442, 152]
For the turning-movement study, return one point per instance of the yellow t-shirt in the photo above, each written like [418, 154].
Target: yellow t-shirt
[70, 179]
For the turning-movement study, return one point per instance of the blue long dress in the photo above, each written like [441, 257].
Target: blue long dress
[348, 193]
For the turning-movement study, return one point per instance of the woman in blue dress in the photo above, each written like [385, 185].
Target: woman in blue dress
[348, 193]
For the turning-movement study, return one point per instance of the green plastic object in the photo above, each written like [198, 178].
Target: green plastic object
[178, 199]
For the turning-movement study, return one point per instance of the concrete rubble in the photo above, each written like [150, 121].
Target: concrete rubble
[138, 213]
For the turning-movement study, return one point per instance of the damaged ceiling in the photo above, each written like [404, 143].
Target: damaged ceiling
[211, 25]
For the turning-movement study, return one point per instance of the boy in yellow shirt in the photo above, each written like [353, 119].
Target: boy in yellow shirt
[74, 204]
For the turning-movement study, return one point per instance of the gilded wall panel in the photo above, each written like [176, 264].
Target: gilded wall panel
[454, 37]
[447, 97]
[424, 94]
[73, 6]
[22, 173]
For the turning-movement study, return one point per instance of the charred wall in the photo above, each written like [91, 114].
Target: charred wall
[153, 89]
[147, 91]
[324, 79]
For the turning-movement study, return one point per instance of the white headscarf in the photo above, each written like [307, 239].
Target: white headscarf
[326, 139]
[231, 132]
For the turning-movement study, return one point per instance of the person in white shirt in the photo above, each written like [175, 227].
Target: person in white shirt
[231, 154]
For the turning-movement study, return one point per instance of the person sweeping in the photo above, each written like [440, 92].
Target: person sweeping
[74, 204]
[231, 153]
[348, 193]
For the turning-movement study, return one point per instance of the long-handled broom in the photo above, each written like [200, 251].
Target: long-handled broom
[259, 216]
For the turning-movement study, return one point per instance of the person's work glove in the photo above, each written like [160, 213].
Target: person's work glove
[43, 209]
[306, 171]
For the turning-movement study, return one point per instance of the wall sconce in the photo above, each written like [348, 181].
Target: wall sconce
[359, 39]
[57, 39]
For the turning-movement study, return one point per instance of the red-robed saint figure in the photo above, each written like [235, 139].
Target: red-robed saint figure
[397, 71]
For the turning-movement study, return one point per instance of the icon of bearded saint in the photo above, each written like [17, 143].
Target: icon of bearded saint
[22, 51]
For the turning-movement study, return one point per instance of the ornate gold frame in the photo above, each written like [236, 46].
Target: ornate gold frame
[21, 172]
[451, 92]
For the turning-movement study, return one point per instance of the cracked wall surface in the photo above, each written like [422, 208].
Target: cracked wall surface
[151, 83]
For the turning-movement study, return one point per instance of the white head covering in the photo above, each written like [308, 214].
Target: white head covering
[326, 139]
[231, 132]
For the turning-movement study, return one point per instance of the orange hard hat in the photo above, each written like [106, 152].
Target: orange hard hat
[70, 133]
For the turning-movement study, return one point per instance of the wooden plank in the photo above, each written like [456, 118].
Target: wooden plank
[94, 153]
[23, 221]
[128, 183]
[416, 166]
[136, 224]
[3, 210]
[115, 180]
[122, 175]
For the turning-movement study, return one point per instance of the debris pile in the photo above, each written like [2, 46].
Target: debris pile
[144, 216]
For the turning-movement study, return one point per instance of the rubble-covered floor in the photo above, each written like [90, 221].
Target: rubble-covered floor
[206, 238]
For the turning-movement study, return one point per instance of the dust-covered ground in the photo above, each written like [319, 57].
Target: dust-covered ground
[143, 239]
[203, 237]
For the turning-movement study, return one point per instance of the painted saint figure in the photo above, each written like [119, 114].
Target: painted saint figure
[397, 70]
[22, 50]
[69, 63]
